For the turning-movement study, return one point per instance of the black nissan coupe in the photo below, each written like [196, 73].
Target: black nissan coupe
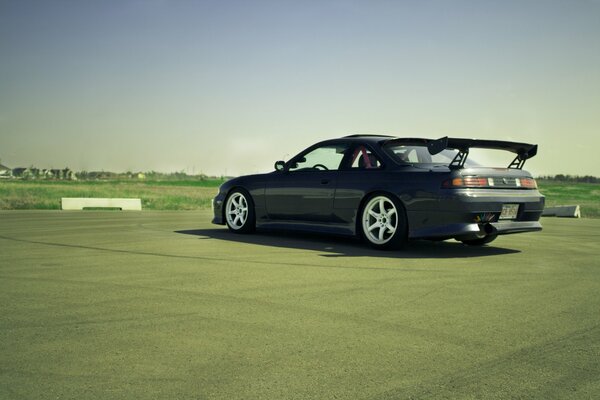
[388, 190]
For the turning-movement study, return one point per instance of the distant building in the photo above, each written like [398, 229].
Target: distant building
[37, 173]
[5, 172]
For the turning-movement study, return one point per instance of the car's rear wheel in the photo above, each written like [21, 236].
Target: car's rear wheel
[480, 242]
[383, 222]
[239, 212]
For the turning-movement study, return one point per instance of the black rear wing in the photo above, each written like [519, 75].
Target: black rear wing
[524, 151]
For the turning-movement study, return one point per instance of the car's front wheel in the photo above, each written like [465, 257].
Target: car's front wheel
[239, 212]
[383, 222]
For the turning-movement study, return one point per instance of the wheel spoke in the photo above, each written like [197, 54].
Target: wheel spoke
[375, 225]
[381, 206]
[390, 228]
[381, 232]
[373, 214]
[391, 212]
[236, 220]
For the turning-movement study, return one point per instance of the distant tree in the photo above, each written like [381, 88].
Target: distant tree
[570, 178]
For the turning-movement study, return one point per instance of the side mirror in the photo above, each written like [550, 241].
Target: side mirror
[280, 166]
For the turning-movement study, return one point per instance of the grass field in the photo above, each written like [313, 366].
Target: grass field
[164, 305]
[587, 195]
[196, 195]
[155, 195]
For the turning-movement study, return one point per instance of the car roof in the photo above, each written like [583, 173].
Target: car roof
[380, 139]
[368, 137]
[374, 140]
[363, 138]
[383, 139]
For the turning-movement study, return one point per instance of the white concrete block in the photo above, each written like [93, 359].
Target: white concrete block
[79, 203]
[562, 211]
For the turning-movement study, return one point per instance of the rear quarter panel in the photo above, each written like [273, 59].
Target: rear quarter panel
[416, 189]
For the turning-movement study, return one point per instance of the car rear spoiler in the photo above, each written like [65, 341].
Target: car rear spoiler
[524, 151]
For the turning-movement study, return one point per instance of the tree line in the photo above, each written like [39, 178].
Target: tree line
[33, 173]
[570, 178]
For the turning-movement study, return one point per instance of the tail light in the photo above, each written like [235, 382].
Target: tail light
[466, 182]
[528, 183]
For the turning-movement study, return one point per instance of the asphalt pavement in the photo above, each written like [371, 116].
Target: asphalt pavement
[112, 304]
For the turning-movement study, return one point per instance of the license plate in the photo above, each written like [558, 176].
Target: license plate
[509, 211]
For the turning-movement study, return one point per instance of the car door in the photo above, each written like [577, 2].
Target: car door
[305, 190]
[359, 174]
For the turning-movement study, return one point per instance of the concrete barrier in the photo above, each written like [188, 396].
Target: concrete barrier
[79, 203]
[562, 211]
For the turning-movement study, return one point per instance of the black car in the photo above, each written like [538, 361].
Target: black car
[388, 190]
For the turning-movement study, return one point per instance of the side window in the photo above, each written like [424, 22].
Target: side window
[326, 158]
[363, 158]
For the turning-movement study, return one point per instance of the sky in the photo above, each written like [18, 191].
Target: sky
[229, 87]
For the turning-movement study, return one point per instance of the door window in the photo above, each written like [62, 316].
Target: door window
[325, 158]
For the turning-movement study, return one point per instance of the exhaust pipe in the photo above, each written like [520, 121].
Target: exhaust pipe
[489, 229]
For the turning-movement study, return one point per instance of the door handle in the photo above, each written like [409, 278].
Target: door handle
[324, 181]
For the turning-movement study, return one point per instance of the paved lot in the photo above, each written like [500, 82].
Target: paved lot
[166, 305]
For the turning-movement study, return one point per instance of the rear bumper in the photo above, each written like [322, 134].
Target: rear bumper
[476, 230]
[506, 227]
[470, 214]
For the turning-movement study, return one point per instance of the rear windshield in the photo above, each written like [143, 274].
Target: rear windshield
[411, 154]
[419, 155]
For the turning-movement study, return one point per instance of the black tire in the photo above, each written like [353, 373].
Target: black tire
[480, 242]
[238, 212]
[373, 218]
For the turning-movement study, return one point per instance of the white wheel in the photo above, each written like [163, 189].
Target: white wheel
[239, 212]
[383, 222]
